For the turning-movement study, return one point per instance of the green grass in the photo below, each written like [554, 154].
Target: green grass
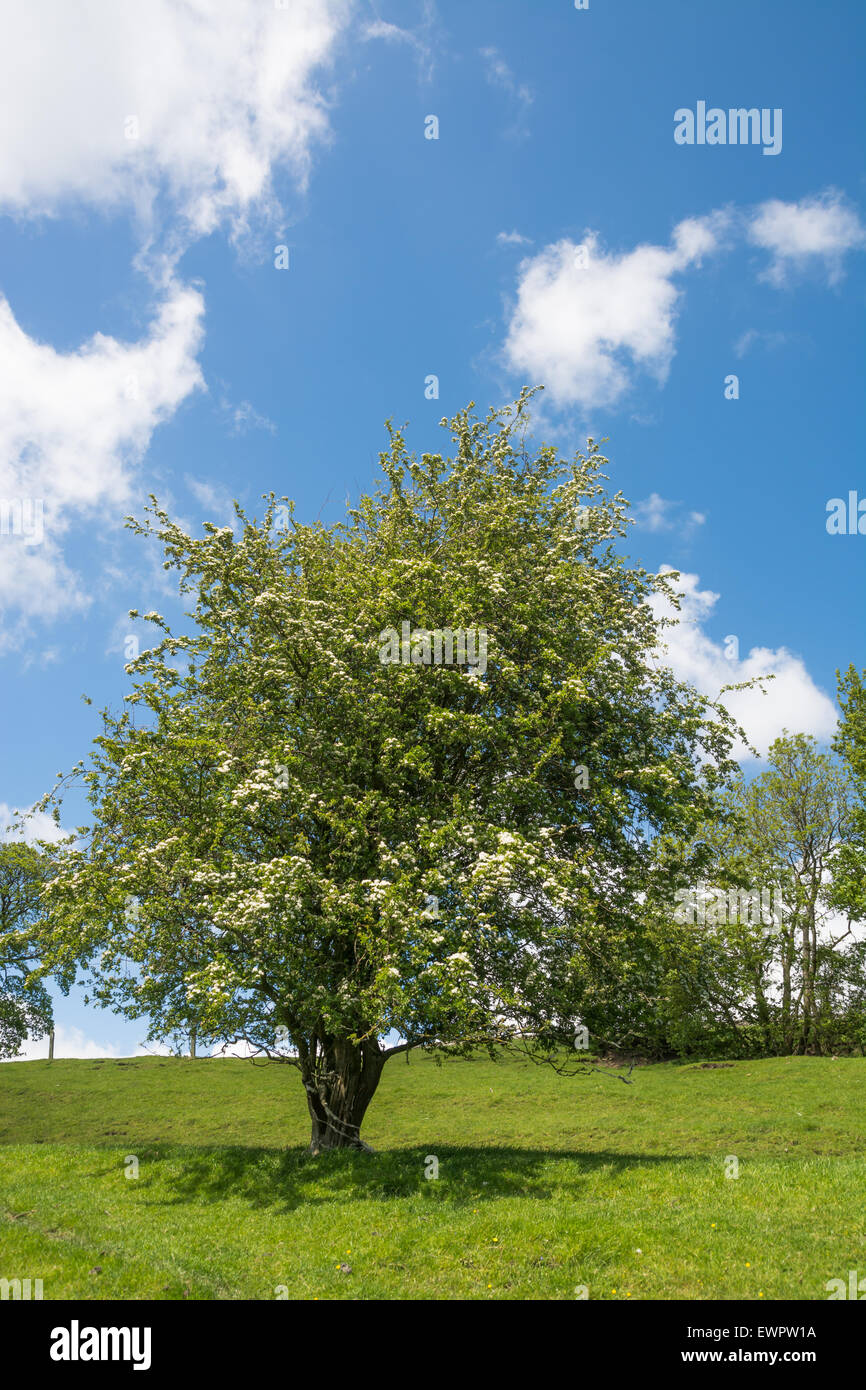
[545, 1184]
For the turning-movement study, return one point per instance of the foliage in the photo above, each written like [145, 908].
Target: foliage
[343, 849]
[25, 1004]
[849, 868]
[761, 964]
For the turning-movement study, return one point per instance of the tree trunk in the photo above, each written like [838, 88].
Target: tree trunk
[788, 949]
[192, 1037]
[340, 1084]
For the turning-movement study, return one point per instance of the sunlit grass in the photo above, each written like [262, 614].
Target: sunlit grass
[545, 1185]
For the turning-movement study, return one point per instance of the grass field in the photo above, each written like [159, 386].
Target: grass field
[546, 1184]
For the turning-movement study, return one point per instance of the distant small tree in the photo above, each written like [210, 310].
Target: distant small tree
[339, 826]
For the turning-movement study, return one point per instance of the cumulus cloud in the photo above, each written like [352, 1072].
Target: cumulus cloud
[71, 422]
[115, 104]
[512, 239]
[792, 700]
[816, 231]
[68, 1042]
[38, 825]
[585, 320]
[73, 1042]
[35, 585]
[73, 426]
[178, 115]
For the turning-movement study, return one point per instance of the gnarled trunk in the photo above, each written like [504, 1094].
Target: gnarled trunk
[340, 1079]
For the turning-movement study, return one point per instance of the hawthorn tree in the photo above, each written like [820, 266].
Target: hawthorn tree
[334, 848]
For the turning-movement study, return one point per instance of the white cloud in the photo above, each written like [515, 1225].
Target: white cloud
[153, 1049]
[221, 91]
[68, 1042]
[238, 1049]
[245, 1050]
[73, 1042]
[69, 421]
[39, 825]
[73, 426]
[585, 320]
[421, 39]
[770, 339]
[657, 513]
[817, 230]
[499, 75]
[513, 239]
[792, 700]
[244, 417]
[177, 116]
[216, 500]
[49, 656]
[35, 585]
[381, 29]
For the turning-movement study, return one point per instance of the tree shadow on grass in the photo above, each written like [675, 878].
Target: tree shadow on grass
[287, 1179]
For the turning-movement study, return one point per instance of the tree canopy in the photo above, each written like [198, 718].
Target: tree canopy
[341, 845]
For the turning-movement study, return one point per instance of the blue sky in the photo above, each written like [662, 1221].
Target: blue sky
[149, 343]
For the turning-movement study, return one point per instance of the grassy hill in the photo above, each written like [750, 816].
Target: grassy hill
[545, 1184]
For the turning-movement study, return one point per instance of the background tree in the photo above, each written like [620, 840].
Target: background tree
[849, 866]
[762, 964]
[364, 851]
[792, 820]
[25, 1004]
